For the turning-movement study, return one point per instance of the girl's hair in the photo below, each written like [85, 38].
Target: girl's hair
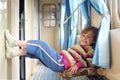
[91, 28]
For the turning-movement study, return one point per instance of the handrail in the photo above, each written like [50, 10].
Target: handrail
[22, 36]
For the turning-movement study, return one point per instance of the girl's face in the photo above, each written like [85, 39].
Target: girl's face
[87, 38]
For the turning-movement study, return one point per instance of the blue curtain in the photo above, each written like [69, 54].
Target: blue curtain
[86, 11]
[102, 48]
[62, 16]
[71, 25]
[68, 24]
[74, 22]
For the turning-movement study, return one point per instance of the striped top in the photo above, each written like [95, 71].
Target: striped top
[79, 55]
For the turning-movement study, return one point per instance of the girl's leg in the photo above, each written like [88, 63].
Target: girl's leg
[46, 54]
[12, 42]
[14, 51]
[22, 43]
[21, 52]
[38, 48]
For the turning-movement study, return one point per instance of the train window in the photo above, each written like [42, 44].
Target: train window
[49, 15]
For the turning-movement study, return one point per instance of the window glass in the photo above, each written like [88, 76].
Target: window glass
[49, 15]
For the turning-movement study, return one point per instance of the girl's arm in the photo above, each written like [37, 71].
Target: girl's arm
[73, 69]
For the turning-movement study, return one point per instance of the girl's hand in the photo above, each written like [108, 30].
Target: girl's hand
[73, 69]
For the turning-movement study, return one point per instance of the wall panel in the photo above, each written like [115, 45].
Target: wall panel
[9, 19]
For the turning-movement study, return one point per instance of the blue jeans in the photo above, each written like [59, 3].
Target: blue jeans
[50, 58]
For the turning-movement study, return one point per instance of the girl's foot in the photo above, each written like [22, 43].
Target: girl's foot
[10, 39]
[10, 52]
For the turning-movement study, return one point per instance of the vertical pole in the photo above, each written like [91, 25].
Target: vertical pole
[22, 37]
[39, 19]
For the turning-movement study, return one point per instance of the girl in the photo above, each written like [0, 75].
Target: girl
[79, 56]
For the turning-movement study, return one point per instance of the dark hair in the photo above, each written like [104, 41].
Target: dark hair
[91, 28]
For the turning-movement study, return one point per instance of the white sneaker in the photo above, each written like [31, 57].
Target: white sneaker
[10, 51]
[10, 39]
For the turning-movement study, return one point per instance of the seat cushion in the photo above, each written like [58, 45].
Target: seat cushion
[80, 72]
